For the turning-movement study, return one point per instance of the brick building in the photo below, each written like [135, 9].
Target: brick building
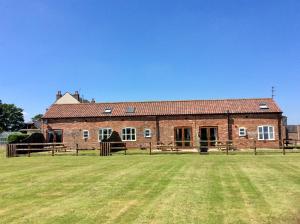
[184, 123]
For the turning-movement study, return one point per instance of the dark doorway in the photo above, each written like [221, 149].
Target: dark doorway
[183, 136]
[55, 135]
[208, 136]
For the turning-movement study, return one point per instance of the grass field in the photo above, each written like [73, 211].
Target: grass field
[150, 189]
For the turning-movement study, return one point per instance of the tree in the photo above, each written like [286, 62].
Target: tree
[11, 117]
[37, 117]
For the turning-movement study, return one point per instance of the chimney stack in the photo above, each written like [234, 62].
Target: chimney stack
[93, 101]
[58, 95]
[76, 95]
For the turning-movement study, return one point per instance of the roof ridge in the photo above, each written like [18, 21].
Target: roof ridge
[159, 101]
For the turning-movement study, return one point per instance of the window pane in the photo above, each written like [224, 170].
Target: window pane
[266, 132]
[58, 135]
[133, 131]
[133, 137]
[187, 134]
[260, 133]
[271, 132]
[85, 134]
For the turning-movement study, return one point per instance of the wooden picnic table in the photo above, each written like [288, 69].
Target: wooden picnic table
[166, 147]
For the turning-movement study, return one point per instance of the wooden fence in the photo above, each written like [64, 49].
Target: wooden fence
[107, 148]
[13, 150]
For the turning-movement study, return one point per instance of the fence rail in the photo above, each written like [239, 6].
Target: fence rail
[13, 150]
[108, 148]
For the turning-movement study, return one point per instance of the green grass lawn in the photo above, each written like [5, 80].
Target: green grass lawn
[168, 188]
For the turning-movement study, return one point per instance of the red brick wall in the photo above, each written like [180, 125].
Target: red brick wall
[74, 127]
[251, 122]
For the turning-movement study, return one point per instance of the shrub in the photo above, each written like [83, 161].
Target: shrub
[35, 138]
[16, 138]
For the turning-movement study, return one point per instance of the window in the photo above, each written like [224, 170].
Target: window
[130, 110]
[129, 134]
[55, 135]
[242, 132]
[86, 134]
[107, 110]
[263, 106]
[266, 133]
[183, 136]
[147, 133]
[104, 133]
[208, 136]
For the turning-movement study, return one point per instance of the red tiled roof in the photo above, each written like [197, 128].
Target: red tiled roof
[186, 107]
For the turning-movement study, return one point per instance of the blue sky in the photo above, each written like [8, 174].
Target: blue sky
[139, 50]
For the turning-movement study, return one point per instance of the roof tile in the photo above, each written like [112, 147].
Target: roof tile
[187, 107]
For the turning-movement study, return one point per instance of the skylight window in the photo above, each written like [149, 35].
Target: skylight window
[107, 110]
[263, 106]
[130, 110]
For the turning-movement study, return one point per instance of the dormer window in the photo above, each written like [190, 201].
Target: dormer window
[107, 110]
[130, 110]
[263, 106]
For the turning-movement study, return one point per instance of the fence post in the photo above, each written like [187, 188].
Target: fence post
[52, 150]
[125, 149]
[14, 150]
[7, 151]
[29, 147]
[76, 149]
[150, 152]
[100, 148]
[227, 147]
[283, 149]
[255, 147]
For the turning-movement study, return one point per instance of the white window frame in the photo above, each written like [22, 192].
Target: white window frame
[244, 130]
[263, 133]
[107, 129]
[124, 136]
[107, 110]
[149, 131]
[84, 134]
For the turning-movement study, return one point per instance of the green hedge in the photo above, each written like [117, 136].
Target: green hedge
[16, 137]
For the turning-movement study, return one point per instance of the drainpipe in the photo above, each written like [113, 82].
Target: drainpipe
[280, 130]
[157, 130]
[228, 126]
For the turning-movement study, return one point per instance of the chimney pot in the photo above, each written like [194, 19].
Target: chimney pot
[76, 95]
[58, 95]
